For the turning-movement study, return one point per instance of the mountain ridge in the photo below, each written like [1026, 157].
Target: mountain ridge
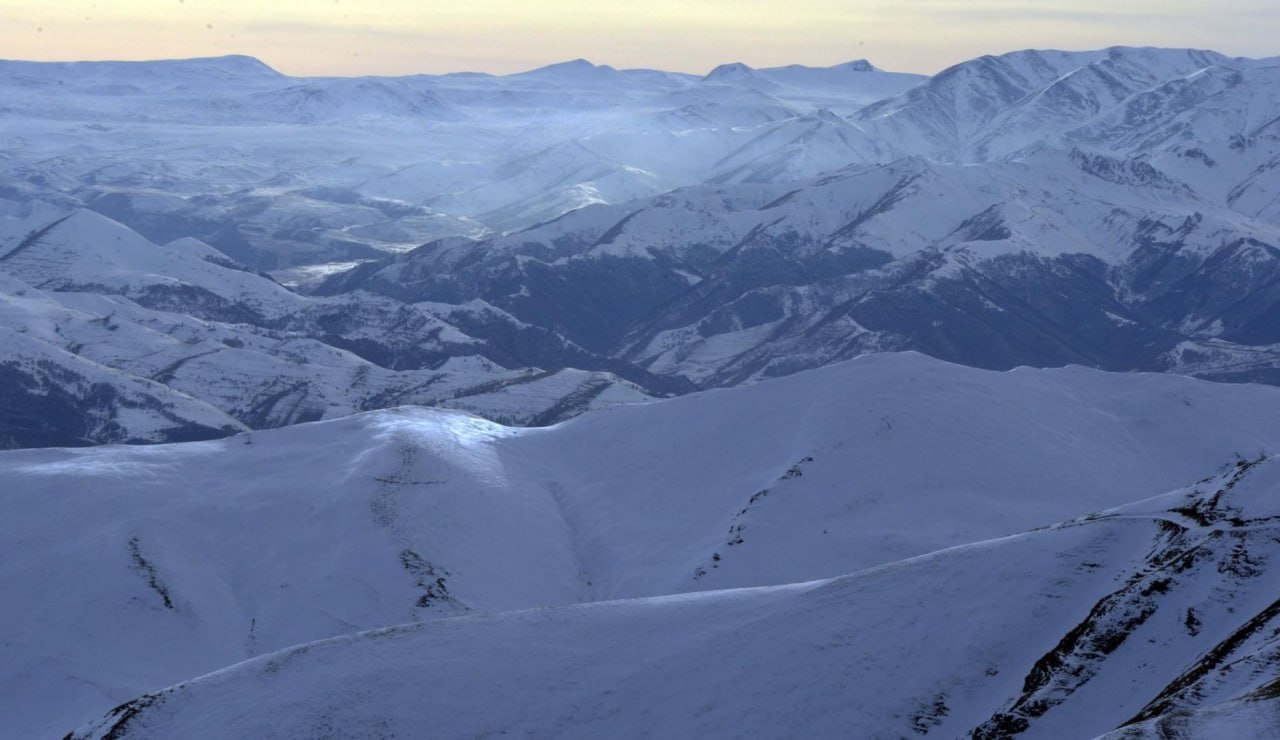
[1113, 208]
[511, 518]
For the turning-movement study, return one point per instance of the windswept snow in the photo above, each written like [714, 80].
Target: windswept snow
[1074, 629]
[245, 546]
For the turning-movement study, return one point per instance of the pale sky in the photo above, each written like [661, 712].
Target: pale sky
[353, 37]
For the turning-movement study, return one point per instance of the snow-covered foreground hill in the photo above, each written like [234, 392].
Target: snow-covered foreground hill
[656, 545]
[1070, 631]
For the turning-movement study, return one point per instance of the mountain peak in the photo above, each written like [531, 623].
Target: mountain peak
[730, 71]
[578, 63]
[571, 67]
[230, 67]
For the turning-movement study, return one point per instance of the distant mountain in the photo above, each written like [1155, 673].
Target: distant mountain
[739, 75]
[844, 86]
[573, 72]
[859, 80]
[155, 75]
[997, 106]
[337, 99]
[124, 336]
[1062, 258]
[55, 398]
[1113, 208]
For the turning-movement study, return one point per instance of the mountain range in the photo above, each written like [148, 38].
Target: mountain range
[579, 235]
[787, 401]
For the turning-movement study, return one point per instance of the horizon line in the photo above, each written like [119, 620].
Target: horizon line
[606, 66]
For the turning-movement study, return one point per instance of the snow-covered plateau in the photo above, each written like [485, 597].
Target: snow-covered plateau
[780, 402]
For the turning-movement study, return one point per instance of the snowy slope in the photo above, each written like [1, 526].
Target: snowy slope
[267, 378]
[797, 149]
[1071, 630]
[985, 264]
[244, 546]
[53, 397]
[85, 252]
[187, 317]
[1014, 101]
[452, 142]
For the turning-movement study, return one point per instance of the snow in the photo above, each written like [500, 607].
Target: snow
[870, 654]
[96, 273]
[273, 539]
[135, 409]
[790, 557]
[504, 153]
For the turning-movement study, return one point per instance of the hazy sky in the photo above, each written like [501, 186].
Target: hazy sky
[405, 36]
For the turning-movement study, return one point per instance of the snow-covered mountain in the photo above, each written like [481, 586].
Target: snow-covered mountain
[436, 155]
[54, 397]
[1114, 208]
[129, 340]
[1057, 258]
[278, 277]
[1163, 624]
[456, 154]
[673, 530]
[997, 105]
